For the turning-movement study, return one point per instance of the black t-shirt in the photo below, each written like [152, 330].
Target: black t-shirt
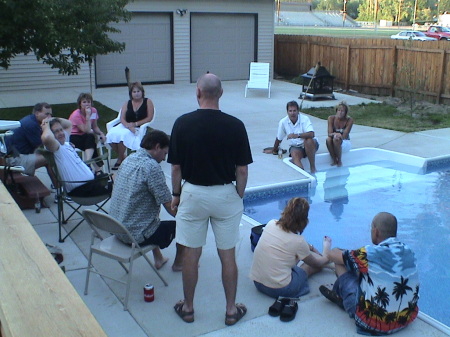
[208, 145]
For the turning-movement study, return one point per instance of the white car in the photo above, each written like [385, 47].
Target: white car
[412, 35]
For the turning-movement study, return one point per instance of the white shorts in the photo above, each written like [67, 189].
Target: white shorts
[219, 205]
[346, 145]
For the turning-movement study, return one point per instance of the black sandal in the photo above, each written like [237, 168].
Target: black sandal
[289, 311]
[116, 166]
[276, 308]
[188, 317]
[332, 296]
[233, 319]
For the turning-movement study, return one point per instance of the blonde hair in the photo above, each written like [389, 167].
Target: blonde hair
[344, 105]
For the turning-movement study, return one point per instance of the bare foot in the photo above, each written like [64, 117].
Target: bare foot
[161, 262]
[176, 268]
[313, 170]
[339, 163]
[333, 163]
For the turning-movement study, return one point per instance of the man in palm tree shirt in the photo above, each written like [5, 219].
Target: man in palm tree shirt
[378, 284]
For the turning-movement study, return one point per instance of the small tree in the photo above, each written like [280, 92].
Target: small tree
[61, 33]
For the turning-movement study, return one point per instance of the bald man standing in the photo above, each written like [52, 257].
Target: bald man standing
[209, 150]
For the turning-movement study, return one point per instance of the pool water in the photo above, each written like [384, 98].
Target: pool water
[346, 199]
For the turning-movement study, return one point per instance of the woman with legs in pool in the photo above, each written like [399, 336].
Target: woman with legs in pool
[275, 270]
[338, 140]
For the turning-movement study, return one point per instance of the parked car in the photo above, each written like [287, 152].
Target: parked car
[412, 35]
[438, 32]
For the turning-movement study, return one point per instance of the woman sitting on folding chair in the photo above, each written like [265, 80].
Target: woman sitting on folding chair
[78, 177]
[84, 128]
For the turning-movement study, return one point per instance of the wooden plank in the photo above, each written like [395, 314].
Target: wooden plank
[36, 298]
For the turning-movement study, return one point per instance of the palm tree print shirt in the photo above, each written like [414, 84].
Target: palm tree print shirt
[389, 286]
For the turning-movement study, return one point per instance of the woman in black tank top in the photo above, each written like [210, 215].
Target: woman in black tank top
[338, 140]
[136, 112]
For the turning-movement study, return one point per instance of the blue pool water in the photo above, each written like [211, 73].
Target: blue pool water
[345, 201]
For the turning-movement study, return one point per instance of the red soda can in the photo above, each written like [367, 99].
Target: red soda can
[149, 293]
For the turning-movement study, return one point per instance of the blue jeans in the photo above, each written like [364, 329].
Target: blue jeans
[296, 288]
[347, 286]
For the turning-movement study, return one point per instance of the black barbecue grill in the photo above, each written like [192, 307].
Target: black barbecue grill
[317, 85]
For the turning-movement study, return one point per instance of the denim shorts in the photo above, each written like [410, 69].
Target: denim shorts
[296, 288]
[347, 286]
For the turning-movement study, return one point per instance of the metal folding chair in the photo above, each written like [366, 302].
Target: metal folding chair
[111, 247]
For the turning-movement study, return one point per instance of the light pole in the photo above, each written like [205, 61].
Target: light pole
[414, 16]
[438, 13]
[344, 13]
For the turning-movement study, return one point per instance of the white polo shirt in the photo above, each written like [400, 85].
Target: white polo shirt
[286, 127]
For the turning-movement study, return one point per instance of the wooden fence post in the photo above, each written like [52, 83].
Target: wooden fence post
[439, 92]
[347, 71]
[394, 70]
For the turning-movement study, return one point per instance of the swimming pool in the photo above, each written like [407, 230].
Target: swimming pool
[344, 201]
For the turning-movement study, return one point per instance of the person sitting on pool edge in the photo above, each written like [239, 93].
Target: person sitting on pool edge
[377, 285]
[338, 140]
[299, 132]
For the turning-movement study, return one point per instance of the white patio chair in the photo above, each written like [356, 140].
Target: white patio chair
[142, 129]
[259, 77]
[113, 248]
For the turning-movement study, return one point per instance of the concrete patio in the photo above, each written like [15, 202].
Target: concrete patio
[316, 316]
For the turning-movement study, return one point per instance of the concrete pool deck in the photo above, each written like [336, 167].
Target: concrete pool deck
[316, 316]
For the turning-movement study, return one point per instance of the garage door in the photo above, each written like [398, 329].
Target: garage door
[223, 44]
[148, 52]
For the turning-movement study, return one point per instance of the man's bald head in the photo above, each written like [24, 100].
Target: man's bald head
[386, 224]
[210, 86]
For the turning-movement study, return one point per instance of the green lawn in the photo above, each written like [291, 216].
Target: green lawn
[339, 31]
[389, 117]
[61, 110]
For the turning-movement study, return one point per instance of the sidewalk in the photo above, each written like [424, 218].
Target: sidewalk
[316, 316]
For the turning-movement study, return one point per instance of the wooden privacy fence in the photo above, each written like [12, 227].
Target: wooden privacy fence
[374, 66]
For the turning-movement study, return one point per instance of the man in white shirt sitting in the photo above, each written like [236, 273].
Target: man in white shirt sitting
[79, 178]
[298, 130]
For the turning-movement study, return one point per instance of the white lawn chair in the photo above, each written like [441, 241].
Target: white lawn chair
[259, 77]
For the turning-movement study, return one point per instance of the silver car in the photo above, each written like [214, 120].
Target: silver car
[412, 35]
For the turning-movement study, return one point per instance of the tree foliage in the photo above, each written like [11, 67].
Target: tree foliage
[61, 33]
[392, 10]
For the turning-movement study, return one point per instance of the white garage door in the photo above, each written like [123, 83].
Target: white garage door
[148, 52]
[223, 44]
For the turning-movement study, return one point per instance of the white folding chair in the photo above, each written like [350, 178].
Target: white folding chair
[116, 121]
[259, 77]
[111, 247]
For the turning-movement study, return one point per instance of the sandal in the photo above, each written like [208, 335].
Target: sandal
[116, 166]
[188, 317]
[331, 295]
[289, 311]
[241, 310]
[276, 308]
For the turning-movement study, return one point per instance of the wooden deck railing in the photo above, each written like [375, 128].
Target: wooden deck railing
[36, 298]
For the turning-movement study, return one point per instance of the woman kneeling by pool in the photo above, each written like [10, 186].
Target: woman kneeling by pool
[275, 269]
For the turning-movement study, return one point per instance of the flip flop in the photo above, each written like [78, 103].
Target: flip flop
[116, 166]
[276, 308]
[332, 296]
[188, 317]
[289, 311]
[233, 319]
